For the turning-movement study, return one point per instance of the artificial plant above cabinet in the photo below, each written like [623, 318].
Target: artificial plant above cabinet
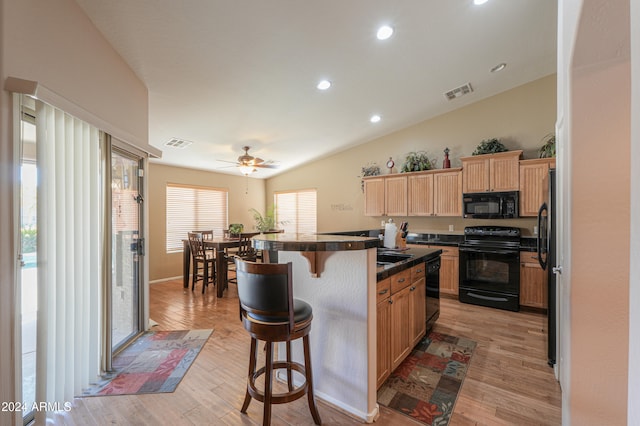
[491, 172]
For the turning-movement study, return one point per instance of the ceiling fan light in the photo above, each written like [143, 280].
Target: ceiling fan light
[247, 169]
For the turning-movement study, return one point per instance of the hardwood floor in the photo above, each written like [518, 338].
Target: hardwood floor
[508, 382]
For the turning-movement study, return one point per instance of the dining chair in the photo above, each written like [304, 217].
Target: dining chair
[207, 235]
[203, 261]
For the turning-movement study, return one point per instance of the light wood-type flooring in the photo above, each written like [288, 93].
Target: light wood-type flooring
[508, 382]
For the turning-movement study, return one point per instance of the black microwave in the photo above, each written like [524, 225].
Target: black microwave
[490, 205]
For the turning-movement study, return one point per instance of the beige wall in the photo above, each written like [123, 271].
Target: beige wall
[520, 117]
[600, 223]
[243, 194]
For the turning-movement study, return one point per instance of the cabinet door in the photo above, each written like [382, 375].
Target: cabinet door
[533, 281]
[374, 197]
[534, 185]
[383, 327]
[417, 311]
[504, 172]
[400, 342]
[420, 194]
[475, 174]
[447, 190]
[449, 270]
[395, 196]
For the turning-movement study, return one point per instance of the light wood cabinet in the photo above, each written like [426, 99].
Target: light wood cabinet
[533, 281]
[374, 196]
[401, 318]
[417, 304]
[385, 195]
[449, 269]
[491, 172]
[534, 184]
[435, 193]
[395, 195]
[383, 318]
[447, 193]
[420, 194]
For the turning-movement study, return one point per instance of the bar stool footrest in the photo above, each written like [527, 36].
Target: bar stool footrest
[278, 398]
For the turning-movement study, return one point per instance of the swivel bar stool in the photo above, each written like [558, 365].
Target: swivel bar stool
[269, 313]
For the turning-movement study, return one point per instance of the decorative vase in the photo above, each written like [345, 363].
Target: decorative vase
[446, 164]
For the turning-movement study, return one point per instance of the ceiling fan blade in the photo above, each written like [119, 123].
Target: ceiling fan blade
[225, 161]
[266, 166]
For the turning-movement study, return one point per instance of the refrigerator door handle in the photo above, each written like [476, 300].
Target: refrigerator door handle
[539, 248]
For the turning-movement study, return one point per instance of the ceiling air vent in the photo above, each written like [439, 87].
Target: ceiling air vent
[177, 143]
[458, 91]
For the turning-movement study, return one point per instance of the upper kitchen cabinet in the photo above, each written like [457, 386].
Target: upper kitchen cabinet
[385, 195]
[395, 195]
[435, 193]
[491, 172]
[374, 196]
[534, 184]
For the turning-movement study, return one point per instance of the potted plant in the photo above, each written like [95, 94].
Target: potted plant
[489, 146]
[415, 162]
[548, 148]
[235, 229]
[370, 170]
[266, 222]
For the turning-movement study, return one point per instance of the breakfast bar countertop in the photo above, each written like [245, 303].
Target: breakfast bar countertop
[312, 242]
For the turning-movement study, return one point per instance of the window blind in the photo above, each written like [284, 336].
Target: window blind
[296, 211]
[193, 208]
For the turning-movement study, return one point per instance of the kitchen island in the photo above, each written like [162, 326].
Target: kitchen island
[337, 276]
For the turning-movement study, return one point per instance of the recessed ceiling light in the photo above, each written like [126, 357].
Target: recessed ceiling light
[479, 2]
[323, 85]
[384, 32]
[499, 67]
[375, 118]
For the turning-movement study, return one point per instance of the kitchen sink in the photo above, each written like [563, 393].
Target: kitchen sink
[389, 258]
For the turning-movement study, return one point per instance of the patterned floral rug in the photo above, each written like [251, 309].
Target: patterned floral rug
[426, 385]
[156, 362]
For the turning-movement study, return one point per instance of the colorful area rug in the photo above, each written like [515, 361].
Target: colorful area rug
[426, 385]
[155, 363]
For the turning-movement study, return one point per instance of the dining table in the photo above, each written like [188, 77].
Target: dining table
[219, 244]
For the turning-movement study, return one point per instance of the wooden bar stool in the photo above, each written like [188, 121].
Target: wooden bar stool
[269, 313]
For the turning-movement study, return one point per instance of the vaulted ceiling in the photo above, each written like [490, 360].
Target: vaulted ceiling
[225, 74]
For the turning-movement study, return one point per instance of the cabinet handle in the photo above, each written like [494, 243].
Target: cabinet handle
[401, 280]
[383, 291]
[412, 288]
[418, 270]
[390, 301]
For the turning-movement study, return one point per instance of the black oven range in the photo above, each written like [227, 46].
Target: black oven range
[490, 267]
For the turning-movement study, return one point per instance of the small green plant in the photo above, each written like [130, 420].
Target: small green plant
[29, 236]
[370, 170]
[548, 148]
[266, 222]
[489, 146]
[236, 229]
[415, 162]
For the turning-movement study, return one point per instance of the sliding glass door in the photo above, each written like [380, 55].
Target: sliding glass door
[126, 247]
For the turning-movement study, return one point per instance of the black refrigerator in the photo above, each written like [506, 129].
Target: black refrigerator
[546, 248]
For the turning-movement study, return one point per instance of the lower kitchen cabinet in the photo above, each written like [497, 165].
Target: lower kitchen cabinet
[449, 269]
[401, 318]
[383, 317]
[533, 281]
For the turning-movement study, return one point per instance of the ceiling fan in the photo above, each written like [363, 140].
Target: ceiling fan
[249, 164]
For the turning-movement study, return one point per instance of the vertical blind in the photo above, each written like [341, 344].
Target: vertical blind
[193, 208]
[296, 211]
[69, 250]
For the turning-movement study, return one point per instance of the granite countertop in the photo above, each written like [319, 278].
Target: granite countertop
[420, 255]
[312, 242]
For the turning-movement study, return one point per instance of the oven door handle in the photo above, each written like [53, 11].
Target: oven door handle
[488, 251]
